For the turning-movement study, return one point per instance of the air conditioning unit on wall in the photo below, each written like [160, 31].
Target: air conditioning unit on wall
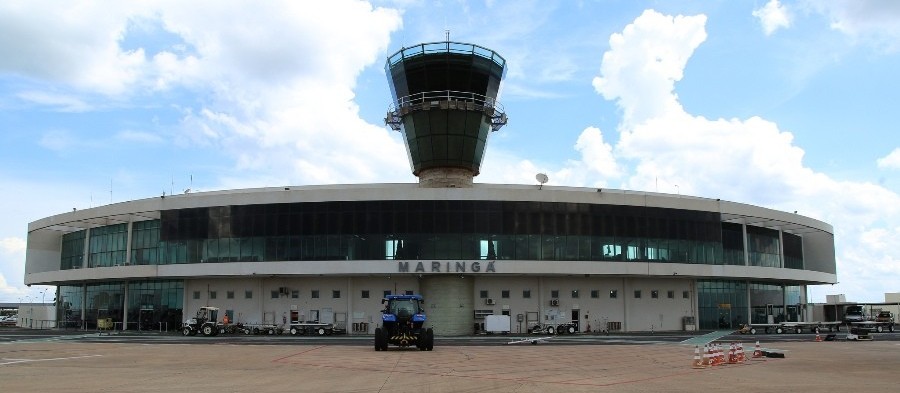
[489, 301]
[554, 302]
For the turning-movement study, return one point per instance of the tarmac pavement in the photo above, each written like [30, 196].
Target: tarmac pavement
[52, 364]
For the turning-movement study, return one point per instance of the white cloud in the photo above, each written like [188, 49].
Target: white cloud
[277, 99]
[642, 78]
[12, 245]
[745, 160]
[773, 16]
[12, 255]
[891, 161]
[873, 22]
[75, 44]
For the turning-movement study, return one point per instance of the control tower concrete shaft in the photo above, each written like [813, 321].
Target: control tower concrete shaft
[445, 105]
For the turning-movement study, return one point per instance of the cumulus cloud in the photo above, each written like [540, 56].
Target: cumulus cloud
[275, 99]
[748, 160]
[773, 16]
[71, 44]
[641, 79]
[891, 161]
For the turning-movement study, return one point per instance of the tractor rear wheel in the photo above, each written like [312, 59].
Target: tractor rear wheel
[429, 339]
[380, 339]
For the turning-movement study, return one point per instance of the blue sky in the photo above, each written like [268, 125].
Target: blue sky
[789, 105]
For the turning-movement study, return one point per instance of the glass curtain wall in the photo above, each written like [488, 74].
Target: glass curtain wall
[383, 230]
[104, 301]
[773, 303]
[107, 245]
[145, 246]
[416, 230]
[69, 306]
[793, 251]
[151, 303]
[722, 304]
[768, 303]
[764, 246]
[72, 253]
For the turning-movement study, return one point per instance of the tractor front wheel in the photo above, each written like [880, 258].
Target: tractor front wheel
[186, 331]
[208, 330]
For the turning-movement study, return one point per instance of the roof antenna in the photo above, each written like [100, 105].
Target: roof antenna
[447, 32]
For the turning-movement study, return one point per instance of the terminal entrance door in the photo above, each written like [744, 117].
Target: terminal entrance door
[576, 315]
[725, 316]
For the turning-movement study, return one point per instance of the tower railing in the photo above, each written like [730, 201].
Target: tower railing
[445, 47]
[445, 100]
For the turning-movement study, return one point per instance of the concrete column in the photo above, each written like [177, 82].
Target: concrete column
[746, 245]
[127, 260]
[125, 305]
[449, 303]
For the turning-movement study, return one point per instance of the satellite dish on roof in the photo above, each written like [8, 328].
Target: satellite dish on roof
[541, 178]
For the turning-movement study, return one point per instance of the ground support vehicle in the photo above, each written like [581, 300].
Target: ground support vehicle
[261, 328]
[205, 322]
[796, 327]
[558, 328]
[311, 328]
[402, 324]
[874, 326]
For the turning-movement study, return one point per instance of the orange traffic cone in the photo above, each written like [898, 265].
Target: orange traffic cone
[818, 337]
[741, 357]
[721, 355]
[710, 355]
[698, 361]
[732, 354]
[757, 353]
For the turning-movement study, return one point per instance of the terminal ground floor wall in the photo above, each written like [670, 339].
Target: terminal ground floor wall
[455, 304]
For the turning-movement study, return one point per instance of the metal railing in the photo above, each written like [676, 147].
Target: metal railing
[445, 100]
[446, 47]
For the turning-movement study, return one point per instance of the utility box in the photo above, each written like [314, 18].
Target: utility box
[497, 323]
[689, 324]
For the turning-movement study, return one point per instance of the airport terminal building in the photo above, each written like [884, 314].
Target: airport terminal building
[600, 258]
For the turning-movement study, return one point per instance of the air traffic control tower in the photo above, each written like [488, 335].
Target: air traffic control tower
[445, 105]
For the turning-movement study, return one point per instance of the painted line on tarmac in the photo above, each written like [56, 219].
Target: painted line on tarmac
[299, 353]
[17, 361]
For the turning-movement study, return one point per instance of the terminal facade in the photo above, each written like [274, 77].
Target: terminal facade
[603, 259]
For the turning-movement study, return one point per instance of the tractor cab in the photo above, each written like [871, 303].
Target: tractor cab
[404, 308]
[208, 314]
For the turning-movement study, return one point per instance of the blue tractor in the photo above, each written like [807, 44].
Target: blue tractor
[402, 323]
